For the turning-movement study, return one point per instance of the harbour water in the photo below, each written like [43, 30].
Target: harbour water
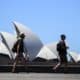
[38, 76]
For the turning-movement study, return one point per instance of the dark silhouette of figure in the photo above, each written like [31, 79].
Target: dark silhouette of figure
[62, 51]
[19, 49]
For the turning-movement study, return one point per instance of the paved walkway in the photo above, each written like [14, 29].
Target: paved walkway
[38, 76]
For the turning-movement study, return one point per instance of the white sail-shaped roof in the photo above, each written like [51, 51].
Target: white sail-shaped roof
[75, 56]
[4, 50]
[78, 57]
[32, 42]
[72, 55]
[46, 53]
[52, 47]
[8, 39]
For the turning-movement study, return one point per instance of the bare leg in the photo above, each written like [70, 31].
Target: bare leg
[55, 67]
[14, 65]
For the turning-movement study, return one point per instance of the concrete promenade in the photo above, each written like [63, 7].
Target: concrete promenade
[38, 76]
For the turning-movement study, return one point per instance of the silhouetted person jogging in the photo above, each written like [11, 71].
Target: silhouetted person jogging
[62, 51]
[19, 49]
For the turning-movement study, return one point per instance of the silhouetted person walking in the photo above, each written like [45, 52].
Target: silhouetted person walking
[62, 51]
[19, 49]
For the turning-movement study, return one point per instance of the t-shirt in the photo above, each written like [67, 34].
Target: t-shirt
[61, 47]
[21, 46]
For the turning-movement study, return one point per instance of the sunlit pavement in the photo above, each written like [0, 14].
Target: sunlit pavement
[38, 76]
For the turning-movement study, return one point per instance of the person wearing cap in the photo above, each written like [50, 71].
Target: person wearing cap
[19, 45]
[62, 51]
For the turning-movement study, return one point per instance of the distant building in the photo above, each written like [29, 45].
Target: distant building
[4, 55]
[32, 43]
[46, 54]
[36, 50]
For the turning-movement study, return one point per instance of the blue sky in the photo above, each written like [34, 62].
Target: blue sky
[47, 18]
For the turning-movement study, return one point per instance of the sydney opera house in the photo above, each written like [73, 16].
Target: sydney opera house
[37, 51]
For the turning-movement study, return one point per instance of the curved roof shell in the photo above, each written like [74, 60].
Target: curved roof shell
[46, 53]
[8, 40]
[52, 47]
[4, 50]
[31, 42]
